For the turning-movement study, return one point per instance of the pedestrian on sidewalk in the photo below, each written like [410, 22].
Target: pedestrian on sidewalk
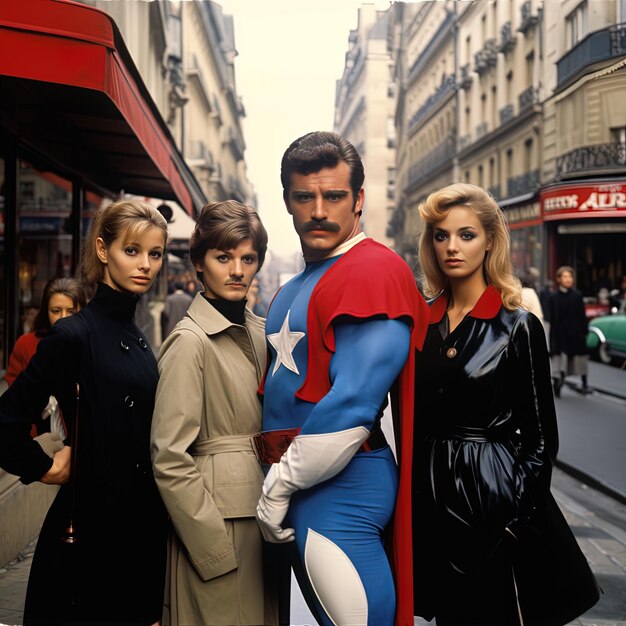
[207, 410]
[568, 332]
[61, 297]
[490, 545]
[100, 556]
[174, 308]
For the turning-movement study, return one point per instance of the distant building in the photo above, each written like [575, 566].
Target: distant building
[524, 98]
[365, 103]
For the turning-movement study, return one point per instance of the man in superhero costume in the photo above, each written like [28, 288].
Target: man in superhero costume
[341, 337]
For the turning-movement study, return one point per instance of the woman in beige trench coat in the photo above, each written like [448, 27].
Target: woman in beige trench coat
[206, 411]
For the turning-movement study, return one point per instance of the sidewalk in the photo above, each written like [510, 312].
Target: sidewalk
[598, 522]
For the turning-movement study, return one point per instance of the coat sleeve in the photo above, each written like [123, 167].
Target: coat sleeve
[179, 410]
[47, 374]
[534, 412]
[20, 356]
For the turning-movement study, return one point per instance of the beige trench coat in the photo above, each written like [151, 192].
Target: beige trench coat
[204, 465]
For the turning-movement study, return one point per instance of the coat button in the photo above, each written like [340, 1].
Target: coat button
[142, 343]
[124, 346]
[451, 353]
[129, 402]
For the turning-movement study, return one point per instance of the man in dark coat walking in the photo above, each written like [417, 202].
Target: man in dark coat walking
[568, 332]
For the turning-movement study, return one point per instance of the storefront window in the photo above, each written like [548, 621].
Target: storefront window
[44, 248]
[527, 250]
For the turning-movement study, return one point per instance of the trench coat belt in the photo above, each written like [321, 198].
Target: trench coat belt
[224, 443]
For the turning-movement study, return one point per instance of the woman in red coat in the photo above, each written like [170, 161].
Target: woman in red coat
[61, 297]
[490, 544]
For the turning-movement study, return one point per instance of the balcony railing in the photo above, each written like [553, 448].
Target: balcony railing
[464, 141]
[494, 191]
[528, 19]
[444, 89]
[506, 113]
[519, 185]
[486, 58]
[465, 79]
[507, 38]
[481, 129]
[601, 45]
[422, 168]
[604, 156]
[528, 97]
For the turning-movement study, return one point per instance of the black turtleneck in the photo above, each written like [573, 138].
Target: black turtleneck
[233, 311]
[116, 304]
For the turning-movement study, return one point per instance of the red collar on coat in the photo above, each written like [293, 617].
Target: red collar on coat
[486, 308]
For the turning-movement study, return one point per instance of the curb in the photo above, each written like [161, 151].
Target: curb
[591, 481]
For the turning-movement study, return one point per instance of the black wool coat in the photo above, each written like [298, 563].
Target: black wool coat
[490, 543]
[568, 323]
[114, 573]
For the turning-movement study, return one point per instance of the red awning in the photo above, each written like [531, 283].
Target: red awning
[69, 89]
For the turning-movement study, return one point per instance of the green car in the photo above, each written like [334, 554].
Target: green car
[606, 339]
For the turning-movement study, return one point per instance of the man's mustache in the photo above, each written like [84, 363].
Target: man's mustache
[321, 225]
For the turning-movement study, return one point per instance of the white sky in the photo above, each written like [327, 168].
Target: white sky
[291, 53]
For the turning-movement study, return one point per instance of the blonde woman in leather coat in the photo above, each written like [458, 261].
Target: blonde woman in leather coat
[491, 547]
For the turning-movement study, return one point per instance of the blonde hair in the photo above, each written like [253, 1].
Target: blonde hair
[127, 218]
[497, 267]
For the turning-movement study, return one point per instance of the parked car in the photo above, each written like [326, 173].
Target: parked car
[606, 339]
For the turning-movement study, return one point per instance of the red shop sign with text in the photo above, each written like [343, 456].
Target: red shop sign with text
[576, 201]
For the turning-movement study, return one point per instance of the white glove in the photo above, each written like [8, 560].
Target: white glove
[50, 408]
[309, 460]
[50, 443]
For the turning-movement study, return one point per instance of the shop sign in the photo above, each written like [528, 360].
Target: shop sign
[40, 225]
[523, 215]
[584, 201]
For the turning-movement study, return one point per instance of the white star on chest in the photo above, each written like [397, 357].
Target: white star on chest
[284, 342]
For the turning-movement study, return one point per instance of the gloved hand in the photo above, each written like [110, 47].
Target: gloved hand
[50, 408]
[50, 443]
[272, 508]
[309, 460]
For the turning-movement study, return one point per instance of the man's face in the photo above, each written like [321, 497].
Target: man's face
[323, 210]
[566, 280]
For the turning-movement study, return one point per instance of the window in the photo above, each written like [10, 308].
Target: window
[618, 135]
[509, 88]
[391, 182]
[528, 155]
[481, 181]
[577, 24]
[530, 67]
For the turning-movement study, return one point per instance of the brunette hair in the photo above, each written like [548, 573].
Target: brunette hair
[127, 218]
[317, 150]
[224, 225]
[565, 268]
[69, 287]
[497, 267]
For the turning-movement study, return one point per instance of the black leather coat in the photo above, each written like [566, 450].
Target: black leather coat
[115, 573]
[489, 540]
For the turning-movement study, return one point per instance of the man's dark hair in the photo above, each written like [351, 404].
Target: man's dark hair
[317, 150]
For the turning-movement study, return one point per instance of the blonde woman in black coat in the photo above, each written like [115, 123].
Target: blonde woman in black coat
[114, 571]
[491, 547]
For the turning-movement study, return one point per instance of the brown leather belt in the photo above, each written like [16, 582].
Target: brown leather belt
[270, 445]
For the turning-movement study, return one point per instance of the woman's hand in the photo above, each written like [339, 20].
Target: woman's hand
[59, 473]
